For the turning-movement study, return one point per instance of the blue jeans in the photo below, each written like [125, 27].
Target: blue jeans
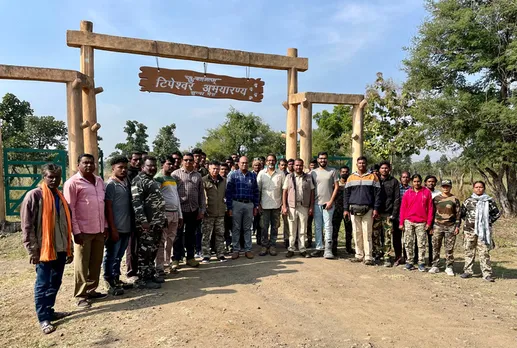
[323, 219]
[48, 280]
[242, 214]
[113, 256]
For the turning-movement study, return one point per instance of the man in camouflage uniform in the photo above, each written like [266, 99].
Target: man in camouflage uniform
[477, 234]
[382, 236]
[447, 219]
[215, 191]
[150, 218]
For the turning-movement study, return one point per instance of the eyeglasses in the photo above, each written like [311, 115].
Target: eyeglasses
[188, 160]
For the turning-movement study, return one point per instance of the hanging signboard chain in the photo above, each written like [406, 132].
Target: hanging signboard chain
[186, 82]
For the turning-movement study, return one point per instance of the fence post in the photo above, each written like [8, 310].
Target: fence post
[2, 179]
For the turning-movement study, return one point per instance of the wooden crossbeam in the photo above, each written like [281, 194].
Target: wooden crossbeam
[326, 98]
[75, 38]
[13, 72]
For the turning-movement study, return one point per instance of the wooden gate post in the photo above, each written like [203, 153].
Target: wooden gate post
[89, 102]
[2, 182]
[306, 133]
[357, 132]
[74, 119]
[292, 113]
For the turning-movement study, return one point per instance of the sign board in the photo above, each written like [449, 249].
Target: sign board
[186, 82]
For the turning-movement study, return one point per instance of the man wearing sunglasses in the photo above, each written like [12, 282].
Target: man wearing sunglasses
[193, 206]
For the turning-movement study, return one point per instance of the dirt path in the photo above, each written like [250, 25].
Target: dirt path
[276, 302]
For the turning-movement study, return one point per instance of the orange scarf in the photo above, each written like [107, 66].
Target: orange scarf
[48, 215]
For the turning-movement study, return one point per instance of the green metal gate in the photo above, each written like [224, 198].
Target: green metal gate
[22, 173]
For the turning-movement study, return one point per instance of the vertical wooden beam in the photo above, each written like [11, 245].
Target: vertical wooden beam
[357, 132]
[292, 114]
[74, 120]
[306, 136]
[2, 179]
[89, 102]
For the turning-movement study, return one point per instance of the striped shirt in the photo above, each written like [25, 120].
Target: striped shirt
[190, 190]
[362, 189]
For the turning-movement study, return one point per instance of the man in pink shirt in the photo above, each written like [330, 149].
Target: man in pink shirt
[85, 193]
[416, 218]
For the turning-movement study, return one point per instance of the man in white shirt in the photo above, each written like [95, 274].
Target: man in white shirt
[270, 181]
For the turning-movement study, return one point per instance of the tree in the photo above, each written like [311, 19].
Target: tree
[462, 67]
[246, 135]
[165, 142]
[424, 167]
[334, 131]
[390, 130]
[136, 139]
[45, 132]
[13, 114]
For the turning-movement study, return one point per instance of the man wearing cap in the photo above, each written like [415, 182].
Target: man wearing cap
[447, 219]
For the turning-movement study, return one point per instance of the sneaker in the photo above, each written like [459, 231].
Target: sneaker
[409, 267]
[113, 289]
[328, 255]
[465, 275]
[449, 271]
[158, 279]
[122, 284]
[193, 263]
[95, 295]
[387, 261]
[263, 251]
[421, 267]
[398, 262]
[205, 260]
[143, 284]
[356, 260]
[434, 270]
[83, 304]
[235, 255]
[197, 256]
[249, 254]
[175, 266]
[222, 259]
[489, 279]
[272, 251]
[369, 263]
[305, 254]
[289, 254]
[317, 253]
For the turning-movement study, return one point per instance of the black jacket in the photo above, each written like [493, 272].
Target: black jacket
[390, 196]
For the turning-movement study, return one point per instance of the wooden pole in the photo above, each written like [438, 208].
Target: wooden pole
[89, 102]
[2, 181]
[74, 120]
[306, 138]
[357, 132]
[292, 113]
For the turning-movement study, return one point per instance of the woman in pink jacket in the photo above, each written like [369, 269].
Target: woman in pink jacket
[416, 217]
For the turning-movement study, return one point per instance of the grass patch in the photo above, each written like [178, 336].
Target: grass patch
[11, 247]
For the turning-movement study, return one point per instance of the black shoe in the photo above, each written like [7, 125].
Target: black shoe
[465, 275]
[158, 279]
[113, 289]
[60, 315]
[94, 295]
[317, 253]
[305, 254]
[489, 279]
[123, 285]
[143, 284]
[289, 254]
[369, 263]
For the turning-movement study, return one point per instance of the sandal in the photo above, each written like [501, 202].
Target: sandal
[47, 327]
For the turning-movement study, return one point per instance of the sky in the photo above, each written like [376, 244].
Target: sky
[347, 42]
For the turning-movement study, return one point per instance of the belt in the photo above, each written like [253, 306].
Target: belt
[171, 211]
[243, 200]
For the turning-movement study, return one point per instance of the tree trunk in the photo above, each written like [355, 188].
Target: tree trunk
[440, 174]
[495, 182]
[471, 177]
[462, 182]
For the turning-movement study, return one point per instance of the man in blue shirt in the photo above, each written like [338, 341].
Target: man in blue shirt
[242, 199]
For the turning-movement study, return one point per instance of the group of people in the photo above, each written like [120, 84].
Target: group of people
[162, 212]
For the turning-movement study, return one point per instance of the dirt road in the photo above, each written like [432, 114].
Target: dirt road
[276, 302]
